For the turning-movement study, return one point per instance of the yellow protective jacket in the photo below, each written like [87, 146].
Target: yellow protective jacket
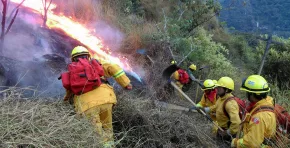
[104, 93]
[175, 76]
[205, 102]
[232, 109]
[259, 126]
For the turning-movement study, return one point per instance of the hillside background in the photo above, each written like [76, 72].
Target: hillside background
[259, 16]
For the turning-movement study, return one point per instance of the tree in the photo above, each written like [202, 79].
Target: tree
[46, 6]
[12, 17]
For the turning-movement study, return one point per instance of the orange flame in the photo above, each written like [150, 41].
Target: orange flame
[76, 31]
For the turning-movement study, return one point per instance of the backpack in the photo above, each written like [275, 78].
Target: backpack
[282, 117]
[241, 103]
[183, 76]
[282, 127]
[82, 76]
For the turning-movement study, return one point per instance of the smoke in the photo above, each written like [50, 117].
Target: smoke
[33, 50]
[28, 58]
[111, 37]
[25, 47]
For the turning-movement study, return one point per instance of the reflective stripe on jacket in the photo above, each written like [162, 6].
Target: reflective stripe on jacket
[104, 93]
[115, 71]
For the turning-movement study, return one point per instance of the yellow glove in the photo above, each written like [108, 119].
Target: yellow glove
[234, 142]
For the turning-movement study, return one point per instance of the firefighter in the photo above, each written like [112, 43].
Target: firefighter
[97, 104]
[209, 97]
[230, 124]
[260, 122]
[181, 76]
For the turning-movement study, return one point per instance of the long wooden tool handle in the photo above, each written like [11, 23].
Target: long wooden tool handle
[177, 88]
[150, 58]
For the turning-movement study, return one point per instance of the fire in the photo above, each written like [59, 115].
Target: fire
[77, 31]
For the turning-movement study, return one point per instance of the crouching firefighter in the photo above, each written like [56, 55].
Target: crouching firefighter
[93, 97]
[182, 78]
[259, 125]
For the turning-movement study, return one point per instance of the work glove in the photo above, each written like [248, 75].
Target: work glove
[192, 108]
[222, 133]
[204, 109]
[234, 143]
[225, 133]
[199, 109]
[129, 87]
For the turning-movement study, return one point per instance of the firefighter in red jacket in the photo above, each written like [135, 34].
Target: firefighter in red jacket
[97, 104]
[260, 122]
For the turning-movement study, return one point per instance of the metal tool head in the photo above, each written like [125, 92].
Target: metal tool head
[141, 51]
[169, 71]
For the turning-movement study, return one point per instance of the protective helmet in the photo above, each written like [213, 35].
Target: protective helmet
[226, 82]
[214, 81]
[173, 62]
[192, 67]
[208, 84]
[255, 84]
[79, 50]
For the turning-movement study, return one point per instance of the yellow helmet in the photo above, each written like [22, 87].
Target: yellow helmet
[192, 67]
[173, 62]
[226, 82]
[79, 50]
[208, 84]
[255, 84]
[214, 81]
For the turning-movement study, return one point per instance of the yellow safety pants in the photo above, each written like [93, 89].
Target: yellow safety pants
[101, 118]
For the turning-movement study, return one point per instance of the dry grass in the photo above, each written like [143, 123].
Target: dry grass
[41, 122]
[48, 122]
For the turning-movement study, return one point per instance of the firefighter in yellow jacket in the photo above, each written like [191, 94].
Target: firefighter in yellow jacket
[209, 97]
[97, 104]
[176, 75]
[260, 122]
[230, 125]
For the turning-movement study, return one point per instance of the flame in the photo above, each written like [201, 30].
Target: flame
[77, 31]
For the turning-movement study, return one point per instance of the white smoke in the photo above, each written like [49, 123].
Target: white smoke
[25, 47]
[28, 42]
[111, 36]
